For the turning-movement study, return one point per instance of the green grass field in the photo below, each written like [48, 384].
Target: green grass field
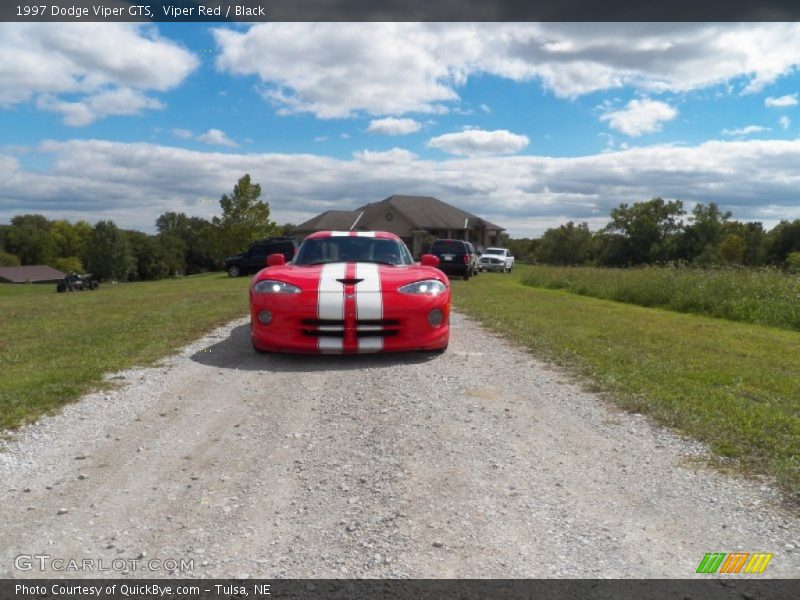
[55, 347]
[733, 385]
[761, 296]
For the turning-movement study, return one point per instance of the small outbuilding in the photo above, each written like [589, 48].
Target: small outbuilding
[30, 274]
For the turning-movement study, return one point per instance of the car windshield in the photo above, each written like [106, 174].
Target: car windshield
[494, 251]
[317, 251]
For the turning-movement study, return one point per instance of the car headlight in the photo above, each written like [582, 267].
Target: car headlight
[271, 286]
[433, 287]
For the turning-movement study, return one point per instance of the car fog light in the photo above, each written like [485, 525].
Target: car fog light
[264, 317]
[435, 317]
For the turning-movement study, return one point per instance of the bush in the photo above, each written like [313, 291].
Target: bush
[68, 264]
[793, 262]
[8, 260]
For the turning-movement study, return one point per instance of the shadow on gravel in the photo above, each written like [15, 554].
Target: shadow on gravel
[236, 352]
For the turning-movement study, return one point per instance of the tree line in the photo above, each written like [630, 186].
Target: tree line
[184, 245]
[660, 232]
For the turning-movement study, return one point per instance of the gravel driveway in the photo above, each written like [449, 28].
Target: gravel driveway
[481, 462]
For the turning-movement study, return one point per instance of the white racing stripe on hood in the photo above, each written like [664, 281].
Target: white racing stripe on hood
[330, 303]
[350, 233]
[369, 303]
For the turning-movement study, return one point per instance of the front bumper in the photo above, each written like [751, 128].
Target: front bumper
[296, 328]
[492, 266]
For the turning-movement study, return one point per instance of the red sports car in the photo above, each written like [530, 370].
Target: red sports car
[350, 292]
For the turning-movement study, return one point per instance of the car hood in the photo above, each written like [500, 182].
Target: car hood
[307, 277]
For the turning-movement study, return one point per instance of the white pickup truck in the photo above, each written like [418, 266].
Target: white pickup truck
[496, 259]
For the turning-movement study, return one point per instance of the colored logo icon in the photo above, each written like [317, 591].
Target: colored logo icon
[735, 562]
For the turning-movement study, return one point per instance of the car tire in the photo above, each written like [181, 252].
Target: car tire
[466, 276]
[61, 288]
[94, 285]
[258, 350]
[234, 271]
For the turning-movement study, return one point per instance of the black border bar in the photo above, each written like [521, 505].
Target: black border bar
[716, 588]
[397, 10]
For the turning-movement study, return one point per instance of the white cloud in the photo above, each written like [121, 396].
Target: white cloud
[640, 117]
[477, 142]
[393, 126]
[184, 134]
[214, 137]
[341, 69]
[745, 130]
[217, 137]
[784, 122]
[103, 63]
[395, 155]
[133, 184]
[336, 69]
[119, 101]
[782, 102]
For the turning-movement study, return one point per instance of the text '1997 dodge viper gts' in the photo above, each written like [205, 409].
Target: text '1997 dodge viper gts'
[350, 292]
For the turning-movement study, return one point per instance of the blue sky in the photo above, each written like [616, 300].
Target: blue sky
[528, 125]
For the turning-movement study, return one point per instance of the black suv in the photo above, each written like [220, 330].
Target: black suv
[456, 257]
[255, 258]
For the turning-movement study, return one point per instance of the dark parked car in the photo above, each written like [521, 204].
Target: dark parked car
[456, 257]
[255, 258]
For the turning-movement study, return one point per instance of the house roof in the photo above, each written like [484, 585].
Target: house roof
[32, 273]
[340, 220]
[423, 212]
[427, 212]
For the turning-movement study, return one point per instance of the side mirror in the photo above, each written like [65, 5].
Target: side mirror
[276, 260]
[429, 260]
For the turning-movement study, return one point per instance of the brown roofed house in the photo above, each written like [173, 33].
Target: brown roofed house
[30, 273]
[416, 219]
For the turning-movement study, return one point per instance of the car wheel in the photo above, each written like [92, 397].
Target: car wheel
[94, 285]
[466, 276]
[258, 350]
[61, 288]
[234, 271]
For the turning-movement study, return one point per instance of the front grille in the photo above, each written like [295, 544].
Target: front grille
[365, 327]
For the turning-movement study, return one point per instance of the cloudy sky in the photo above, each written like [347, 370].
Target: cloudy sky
[528, 125]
